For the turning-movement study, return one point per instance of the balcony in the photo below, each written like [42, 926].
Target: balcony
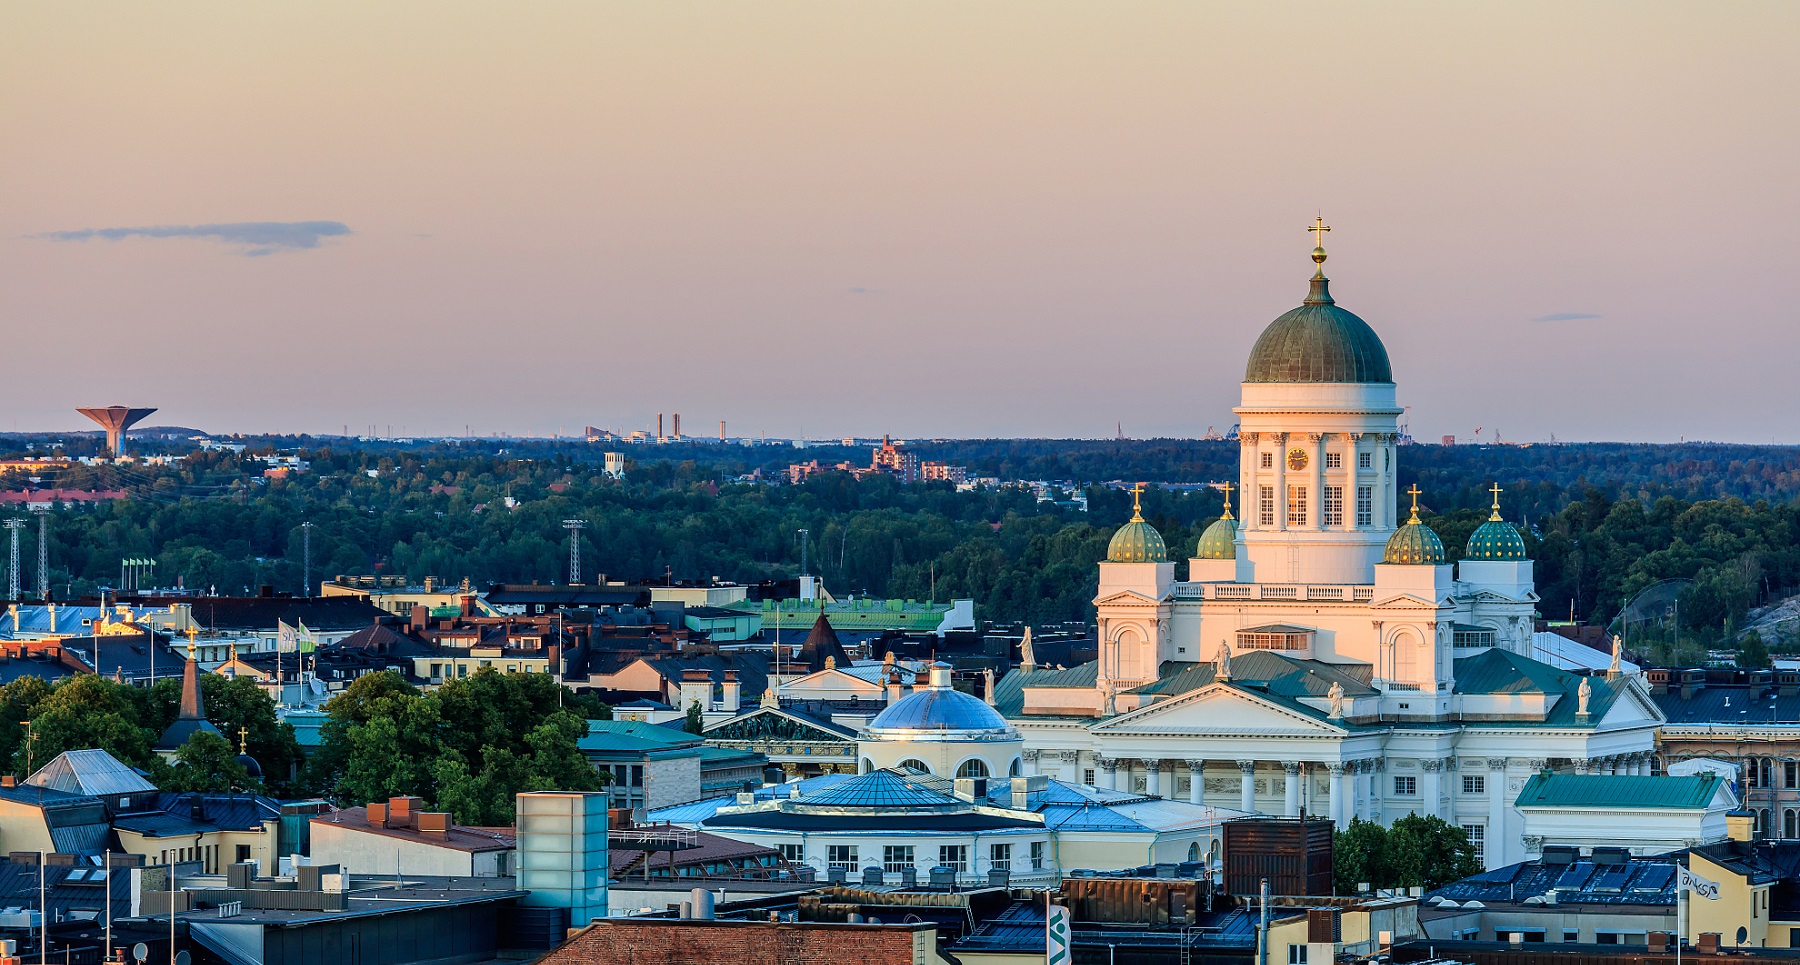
[1310, 593]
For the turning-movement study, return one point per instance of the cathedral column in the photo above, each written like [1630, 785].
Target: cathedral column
[1196, 782]
[1071, 765]
[1109, 772]
[1377, 794]
[1281, 504]
[1350, 458]
[1247, 785]
[1434, 787]
[1029, 762]
[1496, 826]
[1291, 788]
[1382, 510]
[1248, 471]
[1153, 777]
[1316, 498]
[1335, 803]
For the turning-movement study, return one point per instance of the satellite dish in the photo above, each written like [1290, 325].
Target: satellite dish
[140, 951]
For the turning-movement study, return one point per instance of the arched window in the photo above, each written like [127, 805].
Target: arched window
[868, 766]
[913, 765]
[1762, 821]
[1016, 769]
[973, 767]
[1790, 823]
[1194, 851]
[1127, 652]
[1406, 659]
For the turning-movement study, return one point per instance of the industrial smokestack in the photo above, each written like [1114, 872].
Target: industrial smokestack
[659, 425]
[677, 425]
[721, 430]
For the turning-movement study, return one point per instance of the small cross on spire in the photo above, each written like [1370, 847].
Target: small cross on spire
[1137, 511]
[1414, 493]
[243, 740]
[1496, 490]
[1319, 227]
[192, 631]
[1227, 487]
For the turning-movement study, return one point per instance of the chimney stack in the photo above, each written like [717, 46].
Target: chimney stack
[434, 824]
[421, 616]
[895, 689]
[677, 425]
[403, 811]
[732, 696]
[659, 427]
[378, 814]
[696, 688]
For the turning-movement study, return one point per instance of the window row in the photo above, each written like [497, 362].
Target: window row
[1298, 500]
[896, 858]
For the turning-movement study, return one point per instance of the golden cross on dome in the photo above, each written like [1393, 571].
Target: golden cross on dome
[243, 739]
[1414, 493]
[1319, 227]
[1496, 490]
[192, 631]
[1227, 488]
[1137, 510]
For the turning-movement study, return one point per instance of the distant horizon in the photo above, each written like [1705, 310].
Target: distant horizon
[1000, 220]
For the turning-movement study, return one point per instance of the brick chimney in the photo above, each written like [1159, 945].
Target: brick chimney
[434, 824]
[378, 814]
[696, 687]
[733, 694]
[468, 606]
[895, 688]
[403, 811]
[421, 618]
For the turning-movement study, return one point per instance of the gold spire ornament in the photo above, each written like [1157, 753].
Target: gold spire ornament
[192, 631]
[1227, 488]
[1414, 493]
[243, 740]
[1318, 229]
[1137, 509]
[1496, 490]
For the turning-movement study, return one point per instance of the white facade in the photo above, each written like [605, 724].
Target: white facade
[1311, 661]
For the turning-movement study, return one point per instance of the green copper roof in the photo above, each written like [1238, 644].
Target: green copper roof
[1219, 542]
[1599, 791]
[1414, 543]
[1496, 540]
[1318, 342]
[1137, 542]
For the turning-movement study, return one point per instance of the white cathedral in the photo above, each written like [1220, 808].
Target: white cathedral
[1325, 655]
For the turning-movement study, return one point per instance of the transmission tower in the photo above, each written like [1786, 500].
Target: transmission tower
[574, 527]
[43, 553]
[804, 534]
[306, 552]
[12, 572]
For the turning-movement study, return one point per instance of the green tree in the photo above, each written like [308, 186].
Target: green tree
[1754, 655]
[81, 712]
[1428, 852]
[1360, 856]
[206, 763]
[694, 724]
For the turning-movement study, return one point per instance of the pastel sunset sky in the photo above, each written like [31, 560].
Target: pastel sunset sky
[931, 219]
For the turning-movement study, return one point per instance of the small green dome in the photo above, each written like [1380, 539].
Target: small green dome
[1137, 542]
[1219, 542]
[1414, 543]
[1496, 539]
[1319, 342]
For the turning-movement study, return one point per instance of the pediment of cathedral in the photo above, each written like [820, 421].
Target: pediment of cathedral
[769, 723]
[1630, 708]
[1407, 602]
[1489, 596]
[1128, 598]
[1217, 709]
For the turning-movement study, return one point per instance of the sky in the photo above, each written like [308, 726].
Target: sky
[1569, 220]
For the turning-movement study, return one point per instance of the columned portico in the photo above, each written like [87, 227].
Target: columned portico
[1434, 788]
[1496, 823]
[1335, 804]
[1109, 772]
[1196, 781]
[1247, 785]
[1291, 797]
[1153, 778]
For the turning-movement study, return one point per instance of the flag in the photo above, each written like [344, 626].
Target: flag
[1695, 884]
[286, 640]
[1056, 935]
[308, 642]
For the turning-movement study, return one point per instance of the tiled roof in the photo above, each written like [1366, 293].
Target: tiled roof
[1619, 791]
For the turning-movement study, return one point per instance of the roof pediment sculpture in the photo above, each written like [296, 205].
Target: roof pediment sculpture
[1027, 658]
[1582, 695]
[1222, 663]
[1336, 696]
[1618, 655]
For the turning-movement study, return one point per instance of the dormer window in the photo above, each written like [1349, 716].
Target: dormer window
[1275, 637]
[1467, 637]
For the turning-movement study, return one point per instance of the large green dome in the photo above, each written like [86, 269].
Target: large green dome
[1137, 542]
[1496, 539]
[1414, 543]
[1219, 542]
[1318, 342]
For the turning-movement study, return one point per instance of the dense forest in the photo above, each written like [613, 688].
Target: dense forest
[1602, 521]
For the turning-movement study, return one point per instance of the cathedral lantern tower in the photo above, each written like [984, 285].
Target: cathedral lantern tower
[1137, 582]
[1318, 423]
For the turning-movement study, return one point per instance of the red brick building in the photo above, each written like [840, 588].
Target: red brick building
[685, 941]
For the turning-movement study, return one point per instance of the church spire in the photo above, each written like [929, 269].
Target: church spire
[1496, 491]
[1321, 286]
[190, 683]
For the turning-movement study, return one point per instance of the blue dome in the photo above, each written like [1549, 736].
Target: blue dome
[939, 713]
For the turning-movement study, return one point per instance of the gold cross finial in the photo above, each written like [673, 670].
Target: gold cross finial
[243, 740]
[192, 631]
[1319, 227]
[1414, 493]
[1496, 490]
[1227, 488]
[1137, 509]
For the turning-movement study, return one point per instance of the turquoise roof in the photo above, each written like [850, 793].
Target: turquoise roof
[1692, 793]
[1137, 542]
[877, 789]
[630, 736]
[1318, 342]
[1414, 543]
[1495, 539]
[1497, 671]
[1219, 542]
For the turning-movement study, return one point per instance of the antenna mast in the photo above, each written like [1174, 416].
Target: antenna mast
[574, 527]
[306, 529]
[43, 572]
[12, 582]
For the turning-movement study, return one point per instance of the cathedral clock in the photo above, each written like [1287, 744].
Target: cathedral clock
[1296, 459]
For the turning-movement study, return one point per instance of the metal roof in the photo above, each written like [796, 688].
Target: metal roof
[89, 771]
[1631, 882]
[940, 711]
[1606, 792]
[877, 789]
[1318, 342]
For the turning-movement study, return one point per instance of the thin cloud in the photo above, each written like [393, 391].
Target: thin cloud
[256, 238]
[1564, 317]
